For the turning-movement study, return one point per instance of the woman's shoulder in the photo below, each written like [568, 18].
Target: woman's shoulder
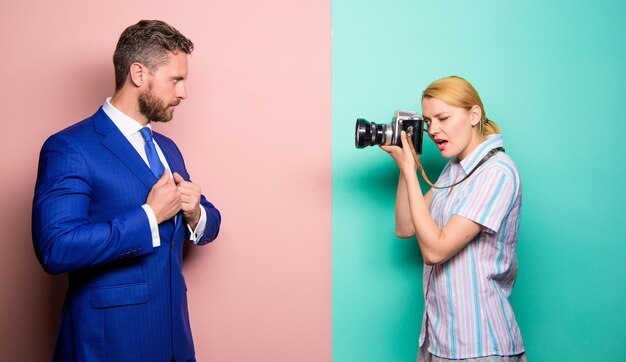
[502, 167]
[504, 162]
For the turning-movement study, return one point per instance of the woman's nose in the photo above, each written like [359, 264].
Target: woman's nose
[433, 128]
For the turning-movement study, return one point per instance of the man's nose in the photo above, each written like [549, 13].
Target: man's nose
[181, 91]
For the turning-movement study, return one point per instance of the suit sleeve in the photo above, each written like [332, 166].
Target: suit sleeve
[213, 221]
[64, 237]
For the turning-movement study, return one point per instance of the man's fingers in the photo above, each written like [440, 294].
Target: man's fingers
[164, 178]
[193, 198]
[178, 178]
[188, 188]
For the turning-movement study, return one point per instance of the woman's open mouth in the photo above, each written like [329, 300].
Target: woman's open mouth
[441, 144]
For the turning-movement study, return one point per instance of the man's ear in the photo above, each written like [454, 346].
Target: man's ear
[476, 115]
[137, 74]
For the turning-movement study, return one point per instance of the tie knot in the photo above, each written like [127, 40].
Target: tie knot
[146, 133]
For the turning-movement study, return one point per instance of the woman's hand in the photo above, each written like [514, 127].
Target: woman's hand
[402, 156]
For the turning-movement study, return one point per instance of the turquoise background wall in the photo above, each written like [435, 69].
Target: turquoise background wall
[552, 75]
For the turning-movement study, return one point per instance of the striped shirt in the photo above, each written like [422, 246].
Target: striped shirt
[466, 311]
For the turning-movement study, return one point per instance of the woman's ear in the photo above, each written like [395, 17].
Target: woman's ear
[476, 114]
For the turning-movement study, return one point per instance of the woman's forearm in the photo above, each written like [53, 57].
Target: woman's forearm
[425, 229]
[404, 223]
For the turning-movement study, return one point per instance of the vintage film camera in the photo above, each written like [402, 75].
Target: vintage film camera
[370, 134]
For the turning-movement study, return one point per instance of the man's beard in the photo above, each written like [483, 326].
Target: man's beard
[153, 109]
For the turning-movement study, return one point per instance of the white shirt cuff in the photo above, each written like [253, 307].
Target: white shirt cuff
[154, 226]
[196, 235]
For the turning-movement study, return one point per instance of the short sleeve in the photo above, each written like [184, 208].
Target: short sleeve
[488, 198]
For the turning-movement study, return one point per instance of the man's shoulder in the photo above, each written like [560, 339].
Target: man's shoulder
[85, 126]
[80, 132]
[77, 128]
[80, 126]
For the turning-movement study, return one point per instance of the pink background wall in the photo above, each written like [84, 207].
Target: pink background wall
[255, 132]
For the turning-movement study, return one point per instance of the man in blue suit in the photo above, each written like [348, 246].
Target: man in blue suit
[113, 205]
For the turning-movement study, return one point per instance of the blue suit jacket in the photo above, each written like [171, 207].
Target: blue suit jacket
[126, 300]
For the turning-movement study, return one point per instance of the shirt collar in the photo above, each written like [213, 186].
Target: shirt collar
[469, 162]
[126, 125]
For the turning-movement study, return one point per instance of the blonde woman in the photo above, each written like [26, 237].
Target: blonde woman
[467, 233]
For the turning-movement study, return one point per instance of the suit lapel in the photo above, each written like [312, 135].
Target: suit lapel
[174, 167]
[115, 142]
[168, 153]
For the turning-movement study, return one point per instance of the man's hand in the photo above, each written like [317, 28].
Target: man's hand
[164, 198]
[190, 197]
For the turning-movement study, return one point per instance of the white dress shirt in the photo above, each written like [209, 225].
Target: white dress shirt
[130, 129]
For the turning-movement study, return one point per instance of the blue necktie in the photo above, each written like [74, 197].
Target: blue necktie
[153, 157]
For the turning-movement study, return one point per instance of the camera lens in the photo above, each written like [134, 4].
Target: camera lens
[370, 134]
[363, 133]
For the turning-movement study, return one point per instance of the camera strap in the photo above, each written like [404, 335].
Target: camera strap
[421, 168]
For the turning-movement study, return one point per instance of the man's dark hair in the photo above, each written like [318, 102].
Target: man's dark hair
[147, 42]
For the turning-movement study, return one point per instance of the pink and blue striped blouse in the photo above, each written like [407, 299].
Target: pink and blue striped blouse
[466, 311]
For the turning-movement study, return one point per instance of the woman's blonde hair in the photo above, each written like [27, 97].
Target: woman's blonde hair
[458, 92]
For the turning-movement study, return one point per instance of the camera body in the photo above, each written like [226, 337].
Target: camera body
[370, 134]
